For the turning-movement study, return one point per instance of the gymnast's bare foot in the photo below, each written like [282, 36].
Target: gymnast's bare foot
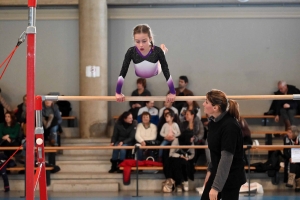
[120, 97]
[164, 48]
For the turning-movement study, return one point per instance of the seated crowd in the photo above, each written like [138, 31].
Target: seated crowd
[180, 123]
[144, 124]
[13, 131]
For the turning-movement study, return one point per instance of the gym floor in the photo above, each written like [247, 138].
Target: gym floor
[268, 195]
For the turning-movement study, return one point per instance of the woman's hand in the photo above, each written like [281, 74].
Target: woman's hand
[143, 143]
[138, 105]
[277, 118]
[213, 194]
[192, 139]
[8, 140]
[111, 144]
[185, 158]
[120, 144]
[120, 97]
[171, 97]
[169, 137]
[206, 178]
[5, 137]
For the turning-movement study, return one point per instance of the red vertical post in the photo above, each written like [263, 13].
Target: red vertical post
[39, 136]
[30, 87]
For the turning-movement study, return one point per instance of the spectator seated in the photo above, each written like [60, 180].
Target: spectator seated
[146, 136]
[167, 105]
[150, 109]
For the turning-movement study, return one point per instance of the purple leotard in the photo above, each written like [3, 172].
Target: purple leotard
[145, 66]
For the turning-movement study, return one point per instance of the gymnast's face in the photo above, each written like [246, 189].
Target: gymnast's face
[142, 42]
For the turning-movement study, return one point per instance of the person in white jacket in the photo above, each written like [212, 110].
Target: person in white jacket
[146, 133]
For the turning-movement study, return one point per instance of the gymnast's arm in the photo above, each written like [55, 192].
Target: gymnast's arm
[125, 66]
[165, 69]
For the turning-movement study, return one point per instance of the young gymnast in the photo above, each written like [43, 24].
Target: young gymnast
[149, 60]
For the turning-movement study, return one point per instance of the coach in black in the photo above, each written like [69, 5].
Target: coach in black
[225, 141]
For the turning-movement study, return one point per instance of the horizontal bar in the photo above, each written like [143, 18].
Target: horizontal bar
[296, 96]
[163, 98]
[151, 147]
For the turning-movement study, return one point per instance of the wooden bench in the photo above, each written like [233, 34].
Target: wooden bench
[20, 168]
[199, 168]
[256, 116]
[51, 156]
[116, 117]
[71, 120]
[262, 116]
[269, 132]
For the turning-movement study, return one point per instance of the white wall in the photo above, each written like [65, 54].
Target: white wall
[242, 55]
[57, 64]
[238, 56]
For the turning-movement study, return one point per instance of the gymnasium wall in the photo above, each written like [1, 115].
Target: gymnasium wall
[239, 54]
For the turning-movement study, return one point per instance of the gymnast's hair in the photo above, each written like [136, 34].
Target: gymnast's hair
[218, 98]
[144, 28]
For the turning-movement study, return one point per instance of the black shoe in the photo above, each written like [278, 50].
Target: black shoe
[114, 166]
[6, 189]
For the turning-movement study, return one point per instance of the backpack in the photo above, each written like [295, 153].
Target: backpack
[271, 166]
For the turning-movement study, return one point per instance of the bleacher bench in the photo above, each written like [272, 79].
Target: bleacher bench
[20, 168]
[199, 168]
[71, 120]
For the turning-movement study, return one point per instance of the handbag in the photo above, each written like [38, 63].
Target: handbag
[168, 185]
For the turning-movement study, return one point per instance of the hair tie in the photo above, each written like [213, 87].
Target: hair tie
[227, 108]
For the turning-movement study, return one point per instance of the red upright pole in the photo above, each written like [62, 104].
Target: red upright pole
[31, 49]
[39, 135]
